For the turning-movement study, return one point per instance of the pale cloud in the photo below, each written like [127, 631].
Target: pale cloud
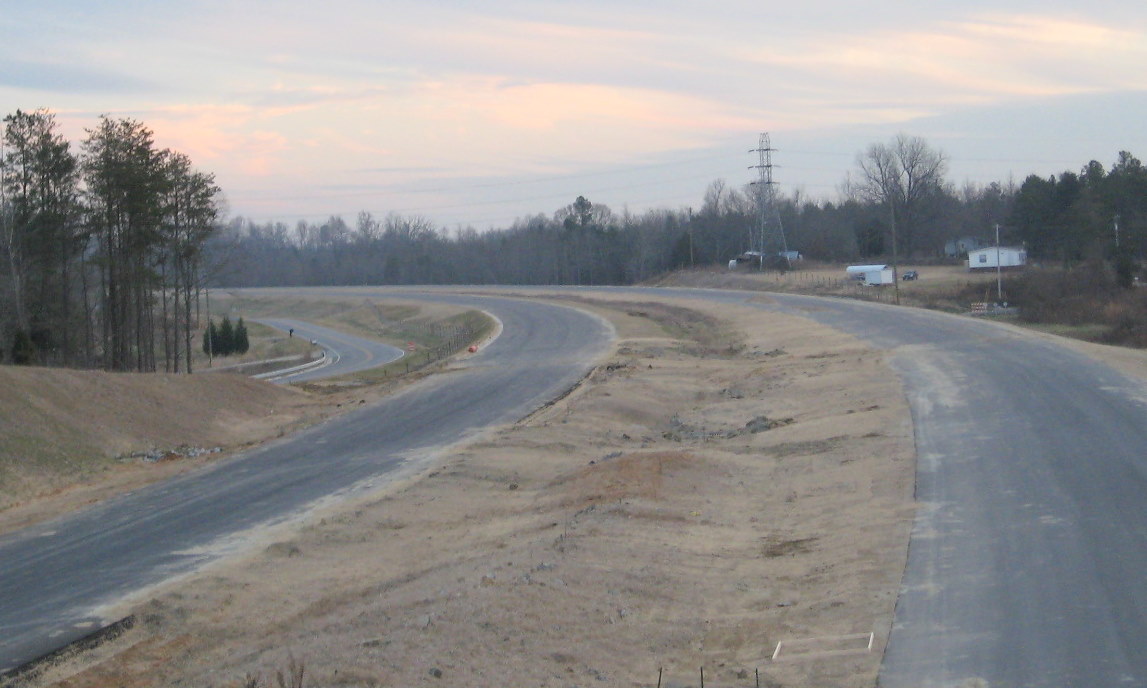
[550, 106]
[476, 120]
[360, 94]
[208, 134]
[1056, 32]
[986, 59]
[235, 138]
[56, 77]
[1075, 55]
[534, 50]
[261, 152]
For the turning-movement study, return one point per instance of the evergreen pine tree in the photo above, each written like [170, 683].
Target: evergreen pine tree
[226, 337]
[242, 343]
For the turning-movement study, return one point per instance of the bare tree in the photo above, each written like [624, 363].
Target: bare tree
[905, 175]
[712, 203]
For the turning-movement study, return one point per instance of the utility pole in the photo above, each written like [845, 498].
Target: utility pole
[895, 252]
[999, 269]
[692, 264]
[207, 333]
[767, 202]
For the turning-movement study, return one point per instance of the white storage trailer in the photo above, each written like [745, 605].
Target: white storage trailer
[872, 274]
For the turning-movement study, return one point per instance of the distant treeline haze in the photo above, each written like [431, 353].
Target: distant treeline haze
[901, 184]
[106, 251]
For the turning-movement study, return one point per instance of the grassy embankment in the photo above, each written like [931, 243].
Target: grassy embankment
[429, 333]
[63, 431]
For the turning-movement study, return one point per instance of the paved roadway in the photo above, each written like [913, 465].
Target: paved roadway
[1028, 556]
[1026, 561]
[55, 576]
[344, 353]
[1029, 550]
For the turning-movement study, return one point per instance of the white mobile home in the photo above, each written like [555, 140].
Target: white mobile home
[986, 258]
[871, 274]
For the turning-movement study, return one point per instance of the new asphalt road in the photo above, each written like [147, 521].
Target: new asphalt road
[55, 576]
[343, 353]
[1027, 558]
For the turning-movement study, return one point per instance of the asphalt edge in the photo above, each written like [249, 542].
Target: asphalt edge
[31, 670]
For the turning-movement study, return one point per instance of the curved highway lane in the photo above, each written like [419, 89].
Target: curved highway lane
[1028, 554]
[1026, 559]
[344, 353]
[55, 576]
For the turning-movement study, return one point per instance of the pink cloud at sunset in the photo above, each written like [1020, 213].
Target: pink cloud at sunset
[301, 102]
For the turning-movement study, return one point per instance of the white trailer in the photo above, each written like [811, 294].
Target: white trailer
[872, 274]
[997, 256]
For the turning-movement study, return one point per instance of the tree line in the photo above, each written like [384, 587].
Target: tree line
[896, 204]
[103, 249]
[1096, 212]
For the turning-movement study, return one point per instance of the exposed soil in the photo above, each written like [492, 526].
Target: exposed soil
[66, 436]
[723, 483]
[692, 505]
[69, 438]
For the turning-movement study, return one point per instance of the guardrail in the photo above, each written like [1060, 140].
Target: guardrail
[276, 374]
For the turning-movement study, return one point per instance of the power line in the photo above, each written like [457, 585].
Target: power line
[771, 232]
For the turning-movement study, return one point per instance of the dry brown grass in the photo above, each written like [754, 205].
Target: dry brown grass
[63, 430]
[584, 544]
[67, 437]
[940, 287]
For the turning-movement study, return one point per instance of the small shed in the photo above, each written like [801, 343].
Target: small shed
[997, 256]
[872, 274]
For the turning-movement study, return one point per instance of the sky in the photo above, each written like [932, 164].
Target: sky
[474, 114]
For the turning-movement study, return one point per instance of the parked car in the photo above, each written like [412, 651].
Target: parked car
[910, 275]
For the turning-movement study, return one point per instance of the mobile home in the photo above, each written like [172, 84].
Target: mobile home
[997, 256]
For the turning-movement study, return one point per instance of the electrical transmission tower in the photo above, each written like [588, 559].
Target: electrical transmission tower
[769, 236]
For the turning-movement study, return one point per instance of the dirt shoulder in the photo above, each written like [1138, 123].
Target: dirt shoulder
[725, 480]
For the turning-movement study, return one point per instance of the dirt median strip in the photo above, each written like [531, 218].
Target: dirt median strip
[635, 525]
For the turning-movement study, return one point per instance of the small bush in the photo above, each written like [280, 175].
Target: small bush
[1091, 294]
[23, 348]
